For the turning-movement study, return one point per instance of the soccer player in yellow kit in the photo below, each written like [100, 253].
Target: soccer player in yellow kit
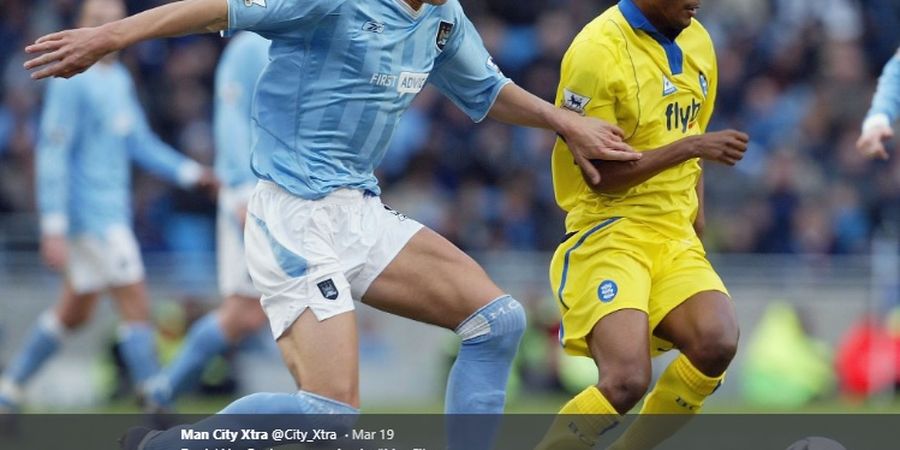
[631, 278]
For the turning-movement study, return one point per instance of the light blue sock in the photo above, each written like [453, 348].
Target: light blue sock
[137, 342]
[477, 382]
[42, 342]
[263, 411]
[204, 341]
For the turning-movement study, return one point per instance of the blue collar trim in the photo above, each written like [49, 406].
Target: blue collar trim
[639, 21]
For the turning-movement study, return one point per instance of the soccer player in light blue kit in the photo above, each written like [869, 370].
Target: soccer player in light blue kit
[91, 128]
[884, 112]
[341, 73]
[240, 315]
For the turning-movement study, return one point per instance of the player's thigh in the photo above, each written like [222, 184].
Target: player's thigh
[241, 315]
[618, 344]
[132, 301]
[323, 356]
[689, 300]
[707, 316]
[75, 308]
[593, 276]
[430, 280]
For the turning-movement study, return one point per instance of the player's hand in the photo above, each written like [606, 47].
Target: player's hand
[593, 139]
[871, 143]
[725, 147]
[67, 53]
[55, 251]
[208, 182]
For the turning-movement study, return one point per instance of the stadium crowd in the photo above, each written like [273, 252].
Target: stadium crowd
[802, 188]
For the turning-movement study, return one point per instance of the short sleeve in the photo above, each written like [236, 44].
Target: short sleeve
[588, 81]
[275, 16]
[712, 88]
[465, 72]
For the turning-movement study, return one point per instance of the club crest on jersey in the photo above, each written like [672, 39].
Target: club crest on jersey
[328, 289]
[704, 85]
[668, 87]
[575, 102]
[249, 3]
[443, 34]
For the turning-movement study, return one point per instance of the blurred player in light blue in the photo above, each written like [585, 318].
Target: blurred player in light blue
[885, 110]
[341, 73]
[91, 129]
[241, 63]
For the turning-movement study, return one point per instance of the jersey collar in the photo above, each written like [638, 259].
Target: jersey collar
[639, 21]
[412, 13]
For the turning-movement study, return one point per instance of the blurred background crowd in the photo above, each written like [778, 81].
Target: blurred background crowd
[797, 75]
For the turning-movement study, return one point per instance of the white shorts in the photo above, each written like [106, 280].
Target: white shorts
[318, 254]
[234, 279]
[96, 263]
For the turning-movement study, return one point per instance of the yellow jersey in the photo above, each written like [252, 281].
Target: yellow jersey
[621, 69]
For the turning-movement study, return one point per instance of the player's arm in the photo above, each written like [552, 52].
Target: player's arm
[58, 132]
[725, 147]
[885, 109]
[231, 124]
[466, 74]
[587, 138]
[159, 158]
[70, 52]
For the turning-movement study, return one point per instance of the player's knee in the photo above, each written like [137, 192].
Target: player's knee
[713, 350]
[625, 386]
[254, 320]
[73, 319]
[497, 328]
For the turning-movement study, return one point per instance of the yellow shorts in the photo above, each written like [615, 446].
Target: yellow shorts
[620, 264]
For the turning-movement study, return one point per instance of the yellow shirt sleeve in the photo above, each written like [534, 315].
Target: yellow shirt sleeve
[706, 114]
[590, 80]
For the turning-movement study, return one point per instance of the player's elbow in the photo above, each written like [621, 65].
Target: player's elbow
[614, 177]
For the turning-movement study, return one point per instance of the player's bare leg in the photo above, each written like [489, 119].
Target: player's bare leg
[137, 340]
[70, 313]
[618, 345]
[240, 316]
[323, 357]
[704, 328]
[432, 281]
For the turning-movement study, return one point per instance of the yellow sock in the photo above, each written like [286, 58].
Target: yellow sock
[681, 390]
[581, 422]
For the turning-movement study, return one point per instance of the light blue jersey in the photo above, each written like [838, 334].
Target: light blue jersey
[887, 97]
[92, 126]
[341, 74]
[239, 67]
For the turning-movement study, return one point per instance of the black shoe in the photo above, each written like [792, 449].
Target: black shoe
[135, 438]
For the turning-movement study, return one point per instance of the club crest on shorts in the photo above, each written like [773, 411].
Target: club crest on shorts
[249, 3]
[443, 35]
[328, 289]
[607, 291]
